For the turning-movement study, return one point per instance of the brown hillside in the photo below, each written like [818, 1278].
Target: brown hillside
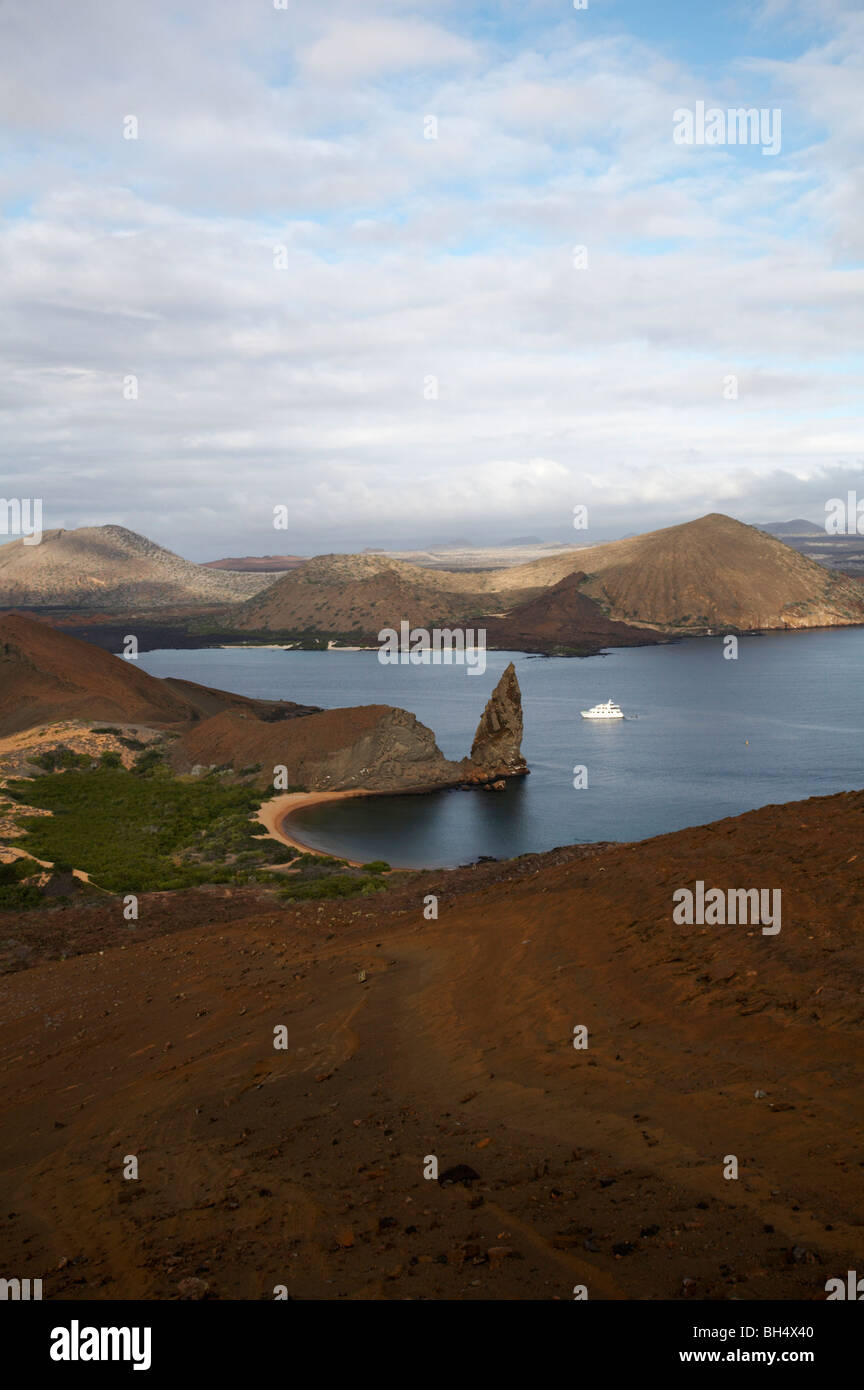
[112, 569]
[45, 675]
[717, 572]
[561, 616]
[454, 1037]
[362, 593]
[711, 573]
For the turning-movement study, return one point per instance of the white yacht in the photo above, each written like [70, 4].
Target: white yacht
[609, 710]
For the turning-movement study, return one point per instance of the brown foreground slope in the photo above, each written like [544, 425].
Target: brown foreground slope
[408, 1038]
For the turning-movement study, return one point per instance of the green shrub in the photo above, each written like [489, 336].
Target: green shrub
[17, 895]
[18, 869]
[149, 760]
[138, 834]
[61, 757]
[13, 893]
[333, 886]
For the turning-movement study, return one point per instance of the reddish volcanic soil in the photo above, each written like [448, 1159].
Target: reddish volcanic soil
[601, 1167]
[46, 676]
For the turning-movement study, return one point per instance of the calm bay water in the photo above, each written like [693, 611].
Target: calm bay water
[711, 738]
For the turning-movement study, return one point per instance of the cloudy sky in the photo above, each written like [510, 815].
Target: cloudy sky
[340, 262]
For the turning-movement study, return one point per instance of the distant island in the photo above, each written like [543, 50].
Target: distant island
[703, 576]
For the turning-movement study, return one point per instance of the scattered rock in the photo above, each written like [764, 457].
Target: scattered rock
[461, 1173]
[193, 1288]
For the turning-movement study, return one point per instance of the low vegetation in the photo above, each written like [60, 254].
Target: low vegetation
[141, 829]
[13, 892]
[350, 885]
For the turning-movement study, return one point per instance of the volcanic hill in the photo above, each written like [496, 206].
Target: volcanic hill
[711, 573]
[560, 618]
[714, 573]
[46, 676]
[114, 570]
[255, 564]
[358, 593]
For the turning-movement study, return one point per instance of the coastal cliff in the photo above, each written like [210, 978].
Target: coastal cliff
[374, 747]
[49, 676]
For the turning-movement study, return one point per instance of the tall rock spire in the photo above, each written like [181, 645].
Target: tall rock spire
[497, 743]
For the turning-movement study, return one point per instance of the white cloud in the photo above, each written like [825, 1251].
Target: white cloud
[374, 47]
[407, 258]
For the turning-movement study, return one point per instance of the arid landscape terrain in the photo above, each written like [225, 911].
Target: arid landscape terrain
[431, 670]
[425, 1018]
[696, 578]
[409, 1037]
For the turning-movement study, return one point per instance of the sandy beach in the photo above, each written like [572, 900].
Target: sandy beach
[274, 813]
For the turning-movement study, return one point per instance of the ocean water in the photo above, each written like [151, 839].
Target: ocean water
[706, 738]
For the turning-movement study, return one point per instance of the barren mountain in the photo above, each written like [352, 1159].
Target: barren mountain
[717, 572]
[799, 527]
[561, 617]
[255, 564]
[362, 593]
[111, 569]
[711, 573]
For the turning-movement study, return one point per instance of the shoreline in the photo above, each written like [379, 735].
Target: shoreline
[274, 814]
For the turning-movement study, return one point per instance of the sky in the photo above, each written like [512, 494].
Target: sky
[406, 272]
